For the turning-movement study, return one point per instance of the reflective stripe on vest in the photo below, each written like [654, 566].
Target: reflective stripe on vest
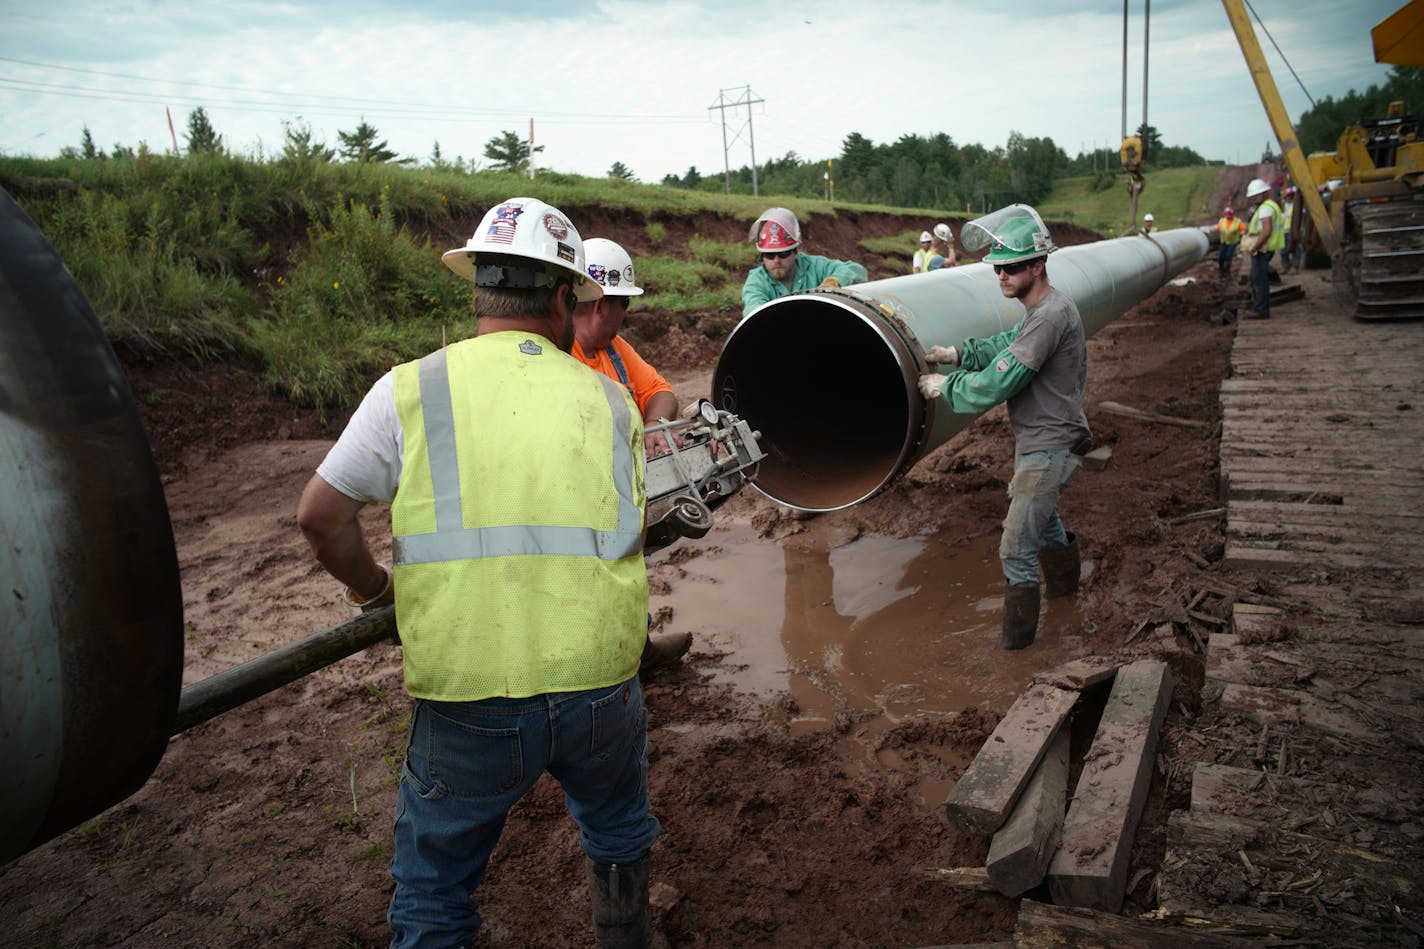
[451, 540]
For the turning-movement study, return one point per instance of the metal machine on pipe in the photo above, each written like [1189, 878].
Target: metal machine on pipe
[828, 378]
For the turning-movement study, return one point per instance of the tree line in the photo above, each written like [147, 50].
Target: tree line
[934, 172]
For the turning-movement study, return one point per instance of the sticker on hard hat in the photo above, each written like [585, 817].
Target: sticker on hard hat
[1040, 241]
[628, 273]
[566, 252]
[599, 273]
[505, 223]
[613, 277]
[556, 226]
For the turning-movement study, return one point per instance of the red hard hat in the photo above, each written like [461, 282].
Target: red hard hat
[1229, 212]
[777, 229]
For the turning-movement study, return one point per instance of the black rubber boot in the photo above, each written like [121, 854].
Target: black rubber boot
[1020, 616]
[622, 918]
[663, 650]
[1062, 567]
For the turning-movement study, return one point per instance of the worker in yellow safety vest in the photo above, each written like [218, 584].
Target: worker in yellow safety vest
[1264, 236]
[1230, 230]
[515, 476]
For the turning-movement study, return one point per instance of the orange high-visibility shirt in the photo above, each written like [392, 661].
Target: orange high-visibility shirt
[643, 380]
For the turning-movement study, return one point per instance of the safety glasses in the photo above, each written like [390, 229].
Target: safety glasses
[1011, 269]
[776, 254]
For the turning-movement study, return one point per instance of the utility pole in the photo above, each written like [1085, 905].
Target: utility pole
[531, 148]
[723, 104]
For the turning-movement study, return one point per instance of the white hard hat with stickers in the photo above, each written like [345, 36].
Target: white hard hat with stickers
[610, 267]
[523, 243]
[943, 232]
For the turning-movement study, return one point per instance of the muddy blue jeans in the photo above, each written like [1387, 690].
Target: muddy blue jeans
[1032, 522]
[1261, 283]
[468, 763]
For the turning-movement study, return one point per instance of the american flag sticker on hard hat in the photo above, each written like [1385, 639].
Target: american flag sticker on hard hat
[505, 223]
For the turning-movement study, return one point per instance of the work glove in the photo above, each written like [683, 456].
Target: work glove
[942, 355]
[386, 597]
[930, 385]
[830, 282]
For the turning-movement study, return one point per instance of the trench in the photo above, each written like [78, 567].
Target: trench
[864, 635]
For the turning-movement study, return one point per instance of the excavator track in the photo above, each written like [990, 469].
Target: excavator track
[1386, 242]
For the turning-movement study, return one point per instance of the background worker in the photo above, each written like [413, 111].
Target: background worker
[782, 269]
[1147, 221]
[922, 255]
[1040, 369]
[1264, 236]
[942, 247]
[515, 478]
[1229, 230]
[598, 346]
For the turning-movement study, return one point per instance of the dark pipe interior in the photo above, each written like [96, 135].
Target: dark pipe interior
[827, 393]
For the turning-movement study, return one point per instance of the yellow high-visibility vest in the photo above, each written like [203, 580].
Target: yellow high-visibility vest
[517, 525]
[1277, 238]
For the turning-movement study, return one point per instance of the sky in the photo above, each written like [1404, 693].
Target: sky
[637, 82]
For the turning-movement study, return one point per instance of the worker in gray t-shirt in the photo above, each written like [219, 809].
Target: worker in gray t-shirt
[1040, 368]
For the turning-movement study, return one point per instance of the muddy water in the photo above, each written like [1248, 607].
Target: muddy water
[865, 634]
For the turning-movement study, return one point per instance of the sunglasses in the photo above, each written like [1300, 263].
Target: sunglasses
[776, 254]
[1011, 269]
[617, 300]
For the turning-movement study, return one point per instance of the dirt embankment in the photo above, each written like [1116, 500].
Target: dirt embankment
[270, 825]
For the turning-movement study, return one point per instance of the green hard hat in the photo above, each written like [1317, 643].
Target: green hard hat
[1013, 234]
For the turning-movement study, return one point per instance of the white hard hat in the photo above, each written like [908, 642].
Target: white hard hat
[1148, 217]
[610, 267]
[943, 232]
[776, 229]
[1257, 186]
[924, 237]
[520, 230]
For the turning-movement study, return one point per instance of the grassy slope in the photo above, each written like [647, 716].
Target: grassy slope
[1175, 197]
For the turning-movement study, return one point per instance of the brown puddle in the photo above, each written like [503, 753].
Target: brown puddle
[865, 635]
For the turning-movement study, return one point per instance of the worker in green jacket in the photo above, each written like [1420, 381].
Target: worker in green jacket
[782, 269]
[1040, 368]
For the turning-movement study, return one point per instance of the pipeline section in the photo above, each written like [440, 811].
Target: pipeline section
[91, 631]
[829, 377]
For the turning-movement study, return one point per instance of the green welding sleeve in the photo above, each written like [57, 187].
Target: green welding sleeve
[973, 391]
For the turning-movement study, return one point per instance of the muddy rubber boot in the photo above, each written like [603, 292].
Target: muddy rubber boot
[663, 650]
[1062, 567]
[1020, 616]
[622, 918]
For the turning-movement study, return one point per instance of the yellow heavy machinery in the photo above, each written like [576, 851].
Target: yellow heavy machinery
[1366, 198]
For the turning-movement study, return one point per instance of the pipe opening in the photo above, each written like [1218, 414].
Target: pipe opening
[823, 378]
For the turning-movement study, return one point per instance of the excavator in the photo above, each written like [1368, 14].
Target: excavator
[1366, 198]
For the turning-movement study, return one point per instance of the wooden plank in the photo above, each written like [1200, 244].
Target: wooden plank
[1080, 674]
[969, 878]
[1117, 408]
[1272, 706]
[1090, 867]
[1301, 874]
[1044, 926]
[1259, 558]
[1021, 849]
[982, 798]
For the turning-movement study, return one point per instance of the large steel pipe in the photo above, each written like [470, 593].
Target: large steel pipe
[91, 630]
[828, 377]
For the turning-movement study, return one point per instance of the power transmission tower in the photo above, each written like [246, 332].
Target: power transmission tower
[723, 104]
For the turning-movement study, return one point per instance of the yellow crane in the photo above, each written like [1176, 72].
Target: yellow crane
[1366, 198]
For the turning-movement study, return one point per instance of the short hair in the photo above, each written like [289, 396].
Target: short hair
[507, 303]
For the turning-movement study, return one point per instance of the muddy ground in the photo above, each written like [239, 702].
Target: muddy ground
[270, 825]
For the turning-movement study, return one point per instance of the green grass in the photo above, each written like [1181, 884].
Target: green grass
[1176, 197]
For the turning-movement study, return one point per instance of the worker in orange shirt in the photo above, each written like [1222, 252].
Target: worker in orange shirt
[598, 346]
[1229, 228]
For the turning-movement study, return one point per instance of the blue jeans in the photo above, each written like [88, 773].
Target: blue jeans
[468, 763]
[1224, 256]
[1032, 522]
[1261, 282]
